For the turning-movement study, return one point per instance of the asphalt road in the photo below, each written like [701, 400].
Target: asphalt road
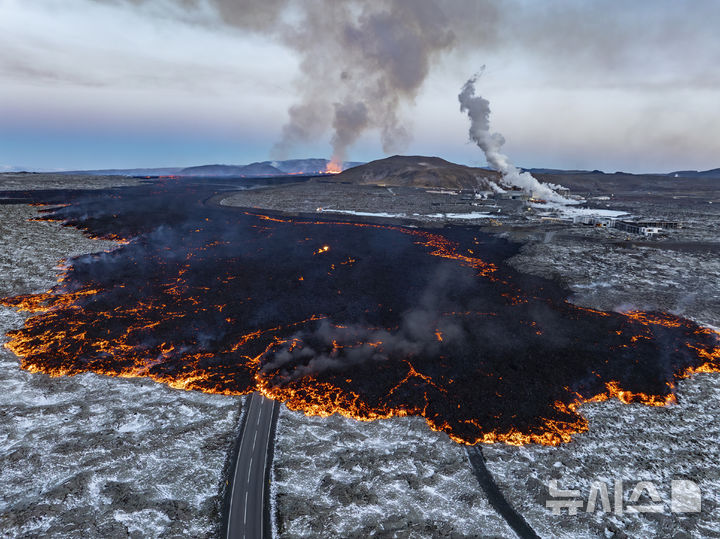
[245, 517]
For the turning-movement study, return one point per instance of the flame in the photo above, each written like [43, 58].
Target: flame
[334, 166]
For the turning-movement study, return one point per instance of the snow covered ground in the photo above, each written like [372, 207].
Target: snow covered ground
[570, 211]
[91, 456]
[631, 443]
[337, 477]
[362, 213]
[468, 215]
[628, 442]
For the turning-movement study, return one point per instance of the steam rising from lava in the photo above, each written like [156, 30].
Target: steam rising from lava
[478, 110]
[369, 321]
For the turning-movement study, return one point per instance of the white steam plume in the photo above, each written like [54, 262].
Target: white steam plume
[478, 110]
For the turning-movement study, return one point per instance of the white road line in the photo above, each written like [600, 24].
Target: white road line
[245, 515]
[249, 470]
[254, 440]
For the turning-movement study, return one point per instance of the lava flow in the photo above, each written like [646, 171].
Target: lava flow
[369, 321]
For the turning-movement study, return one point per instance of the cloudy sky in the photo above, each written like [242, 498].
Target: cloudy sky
[611, 84]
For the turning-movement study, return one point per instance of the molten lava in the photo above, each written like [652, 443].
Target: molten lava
[334, 166]
[368, 321]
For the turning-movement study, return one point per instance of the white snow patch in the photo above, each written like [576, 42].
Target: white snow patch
[147, 523]
[470, 215]
[572, 211]
[362, 213]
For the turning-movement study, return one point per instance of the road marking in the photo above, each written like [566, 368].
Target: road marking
[254, 440]
[245, 515]
[249, 470]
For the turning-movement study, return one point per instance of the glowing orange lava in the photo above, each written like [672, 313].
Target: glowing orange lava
[334, 166]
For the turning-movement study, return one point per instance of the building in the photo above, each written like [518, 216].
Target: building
[645, 228]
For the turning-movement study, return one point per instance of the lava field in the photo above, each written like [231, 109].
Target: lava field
[366, 320]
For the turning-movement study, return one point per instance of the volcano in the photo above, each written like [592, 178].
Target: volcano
[419, 171]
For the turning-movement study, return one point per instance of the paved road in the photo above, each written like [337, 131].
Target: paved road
[245, 517]
[495, 496]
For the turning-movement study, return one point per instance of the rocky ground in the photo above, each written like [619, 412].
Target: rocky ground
[17, 181]
[91, 456]
[402, 204]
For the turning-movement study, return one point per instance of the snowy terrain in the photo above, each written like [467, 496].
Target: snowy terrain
[91, 456]
[616, 277]
[468, 215]
[362, 213]
[337, 477]
[628, 442]
[570, 211]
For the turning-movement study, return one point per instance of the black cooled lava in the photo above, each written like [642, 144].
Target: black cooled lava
[370, 321]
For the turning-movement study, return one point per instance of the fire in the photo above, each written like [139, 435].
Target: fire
[334, 166]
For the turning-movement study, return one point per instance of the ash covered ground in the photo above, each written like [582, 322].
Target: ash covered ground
[91, 456]
[606, 269]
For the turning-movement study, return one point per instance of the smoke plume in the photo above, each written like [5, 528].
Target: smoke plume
[478, 110]
[360, 62]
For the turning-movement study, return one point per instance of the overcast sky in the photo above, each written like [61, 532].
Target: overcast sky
[613, 85]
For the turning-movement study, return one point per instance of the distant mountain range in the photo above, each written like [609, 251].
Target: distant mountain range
[263, 168]
[165, 171]
[708, 174]
[318, 166]
[253, 170]
[711, 174]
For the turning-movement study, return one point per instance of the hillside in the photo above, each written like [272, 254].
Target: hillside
[307, 166]
[418, 171]
[251, 170]
[713, 174]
